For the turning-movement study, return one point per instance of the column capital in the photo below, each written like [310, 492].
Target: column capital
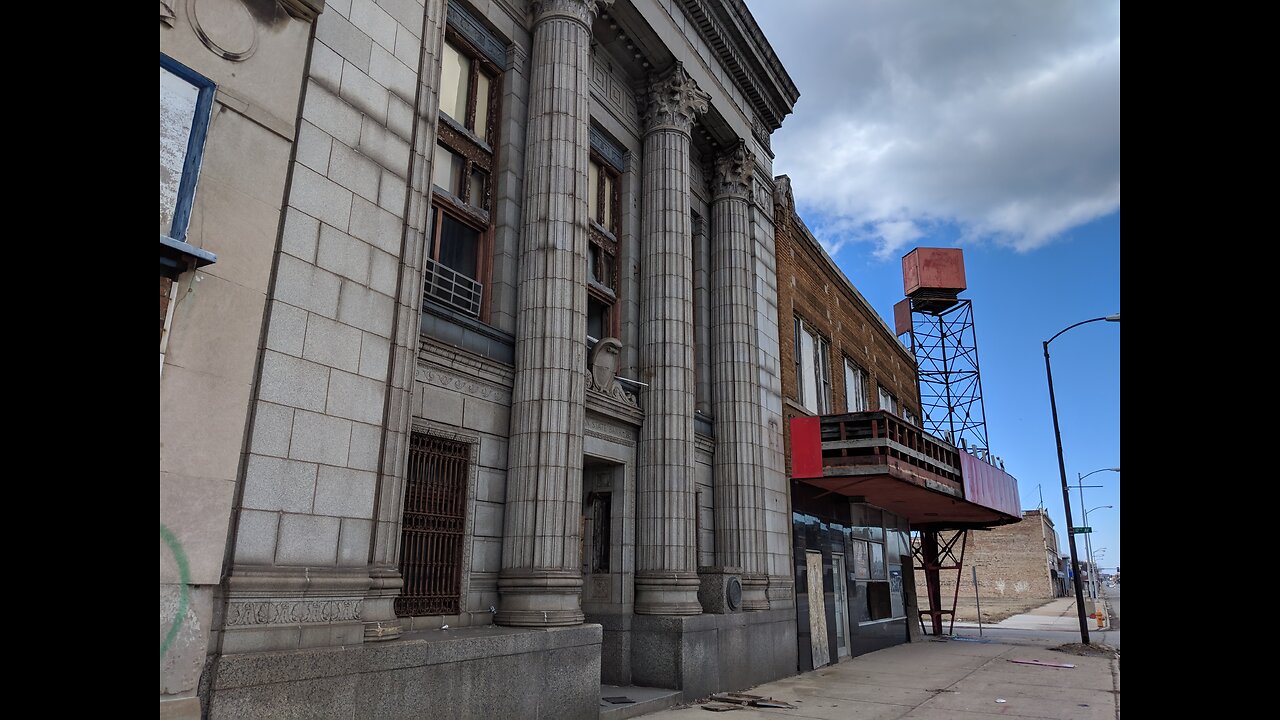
[674, 101]
[583, 11]
[734, 168]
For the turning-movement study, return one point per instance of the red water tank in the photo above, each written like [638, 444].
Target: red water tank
[933, 271]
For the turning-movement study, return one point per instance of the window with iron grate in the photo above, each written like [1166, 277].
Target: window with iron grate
[434, 526]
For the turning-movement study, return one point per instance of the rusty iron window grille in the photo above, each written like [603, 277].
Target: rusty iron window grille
[434, 526]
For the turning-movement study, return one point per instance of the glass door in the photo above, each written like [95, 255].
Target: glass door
[841, 583]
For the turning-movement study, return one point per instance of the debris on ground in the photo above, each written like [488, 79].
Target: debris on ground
[1094, 649]
[1001, 700]
[718, 702]
[739, 698]
[1042, 663]
[617, 699]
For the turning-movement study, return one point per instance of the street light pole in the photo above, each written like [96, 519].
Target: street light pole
[1062, 470]
[1088, 540]
[1088, 547]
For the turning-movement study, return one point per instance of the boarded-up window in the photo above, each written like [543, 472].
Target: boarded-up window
[434, 525]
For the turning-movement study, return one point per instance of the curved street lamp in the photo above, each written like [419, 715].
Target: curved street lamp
[1088, 548]
[1062, 470]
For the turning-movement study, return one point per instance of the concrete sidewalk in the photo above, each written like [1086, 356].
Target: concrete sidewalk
[941, 680]
[1057, 614]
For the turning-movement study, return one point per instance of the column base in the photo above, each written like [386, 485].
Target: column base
[379, 613]
[755, 592]
[667, 593]
[539, 598]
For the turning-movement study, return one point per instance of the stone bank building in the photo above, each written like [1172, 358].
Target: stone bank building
[468, 319]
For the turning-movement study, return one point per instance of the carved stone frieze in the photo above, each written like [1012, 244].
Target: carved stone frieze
[475, 388]
[290, 612]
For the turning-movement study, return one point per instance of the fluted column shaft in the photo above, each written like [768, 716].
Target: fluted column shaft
[666, 538]
[541, 579]
[735, 383]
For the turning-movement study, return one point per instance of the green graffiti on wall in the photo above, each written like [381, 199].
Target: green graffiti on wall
[184, 579]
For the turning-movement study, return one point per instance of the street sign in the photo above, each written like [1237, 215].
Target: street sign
[1081, 530]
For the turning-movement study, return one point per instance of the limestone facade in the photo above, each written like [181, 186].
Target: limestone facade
[491, 341]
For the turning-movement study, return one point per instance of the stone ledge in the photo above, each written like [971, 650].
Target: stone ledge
[712, 621]
[482, 674]
[413, 649]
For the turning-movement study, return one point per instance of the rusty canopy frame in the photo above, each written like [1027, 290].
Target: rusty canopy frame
[934, 557]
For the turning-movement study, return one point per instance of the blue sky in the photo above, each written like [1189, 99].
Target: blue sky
[992, 125]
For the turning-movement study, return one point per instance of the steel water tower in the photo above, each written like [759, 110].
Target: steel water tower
[937, 325]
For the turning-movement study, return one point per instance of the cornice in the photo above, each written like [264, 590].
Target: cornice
[729, 30]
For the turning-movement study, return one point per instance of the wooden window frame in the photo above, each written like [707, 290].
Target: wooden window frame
[478, 152]
[605, 240]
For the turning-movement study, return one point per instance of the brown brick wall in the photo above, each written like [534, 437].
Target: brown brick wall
[810, 286]
[1012, 562]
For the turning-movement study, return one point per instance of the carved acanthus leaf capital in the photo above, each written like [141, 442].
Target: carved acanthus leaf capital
[675, 100]
[734, 168]
[584, 11]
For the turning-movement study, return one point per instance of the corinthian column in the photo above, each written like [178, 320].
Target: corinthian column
[666, 542]
[541, 579]
[735, 384]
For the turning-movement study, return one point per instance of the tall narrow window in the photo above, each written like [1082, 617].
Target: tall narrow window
[465, 84]
[887, 400]
[855, 387]
[602, 255]
[458, 261]
[813, 371]
[601, 522]
[433, 526]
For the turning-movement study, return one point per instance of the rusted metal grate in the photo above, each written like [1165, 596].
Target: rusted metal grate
[434, 524]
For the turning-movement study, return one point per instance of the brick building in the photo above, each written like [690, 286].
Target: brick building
[863, 472]
[839, 357]
[1018, 565]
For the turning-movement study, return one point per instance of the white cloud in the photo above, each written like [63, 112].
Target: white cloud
[1001, 117]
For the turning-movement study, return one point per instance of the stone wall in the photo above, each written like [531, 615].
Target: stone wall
[255, 61]
[473, 673]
